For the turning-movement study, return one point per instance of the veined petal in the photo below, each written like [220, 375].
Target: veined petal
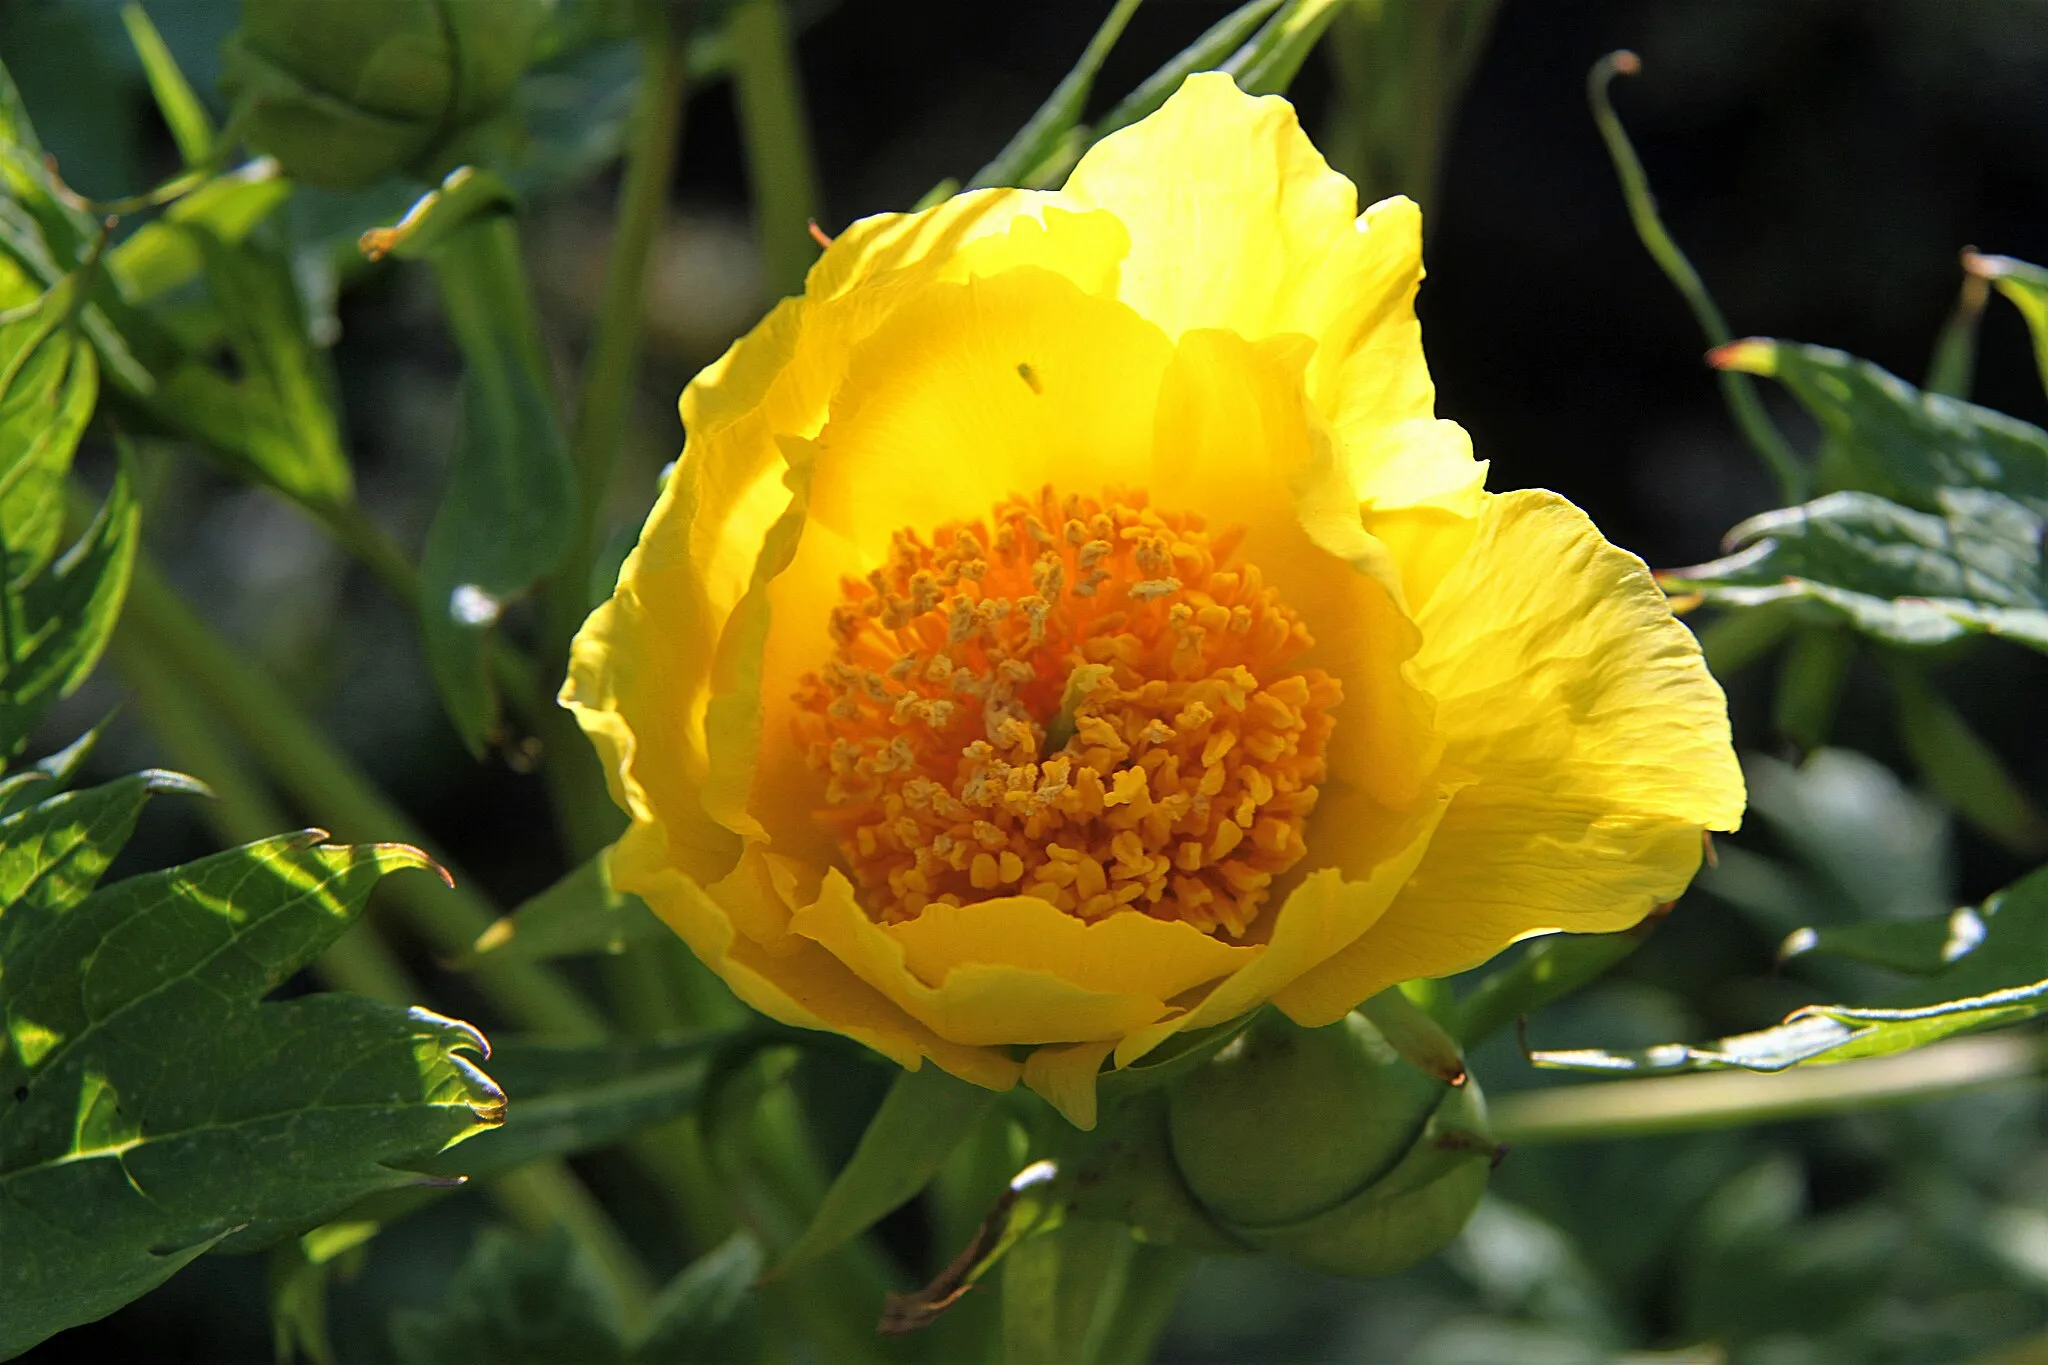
[1236, 439]
[976, 1003]
[1218, 176]
[1596, 742]
[1128, 953]
[806, 988]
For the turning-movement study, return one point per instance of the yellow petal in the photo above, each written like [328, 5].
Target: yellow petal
[1065, 1076]
[1596, 742]
[642, 670]
[1237, 222]
[1130, 953]
[1237, 440]
[976, 1003]
[807, 988]
[935, 422]
[1320, 917]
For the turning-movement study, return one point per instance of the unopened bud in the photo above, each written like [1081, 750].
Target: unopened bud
[1324, 1146]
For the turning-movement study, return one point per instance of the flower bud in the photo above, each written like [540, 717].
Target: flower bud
[1324, 1146]
[345, 94]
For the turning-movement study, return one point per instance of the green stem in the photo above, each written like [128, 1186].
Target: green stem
[1728, 1099]
[336, 793]
[1739, 390]
[778, 142]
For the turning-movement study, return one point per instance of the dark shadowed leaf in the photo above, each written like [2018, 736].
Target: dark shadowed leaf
[926, 1115]
[579, 915]
[58, 622]
[543, 1302]
[510, 507]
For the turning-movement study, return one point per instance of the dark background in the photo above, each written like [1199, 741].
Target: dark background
[1822, 161]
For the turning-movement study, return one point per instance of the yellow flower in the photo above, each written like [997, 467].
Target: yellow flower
[1069, 625]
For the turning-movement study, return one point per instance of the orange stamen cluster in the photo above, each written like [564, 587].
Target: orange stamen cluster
[1075, 700]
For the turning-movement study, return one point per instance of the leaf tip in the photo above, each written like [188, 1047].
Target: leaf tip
[1751, 355]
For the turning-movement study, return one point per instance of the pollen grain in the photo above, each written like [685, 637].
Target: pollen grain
[1078, 699]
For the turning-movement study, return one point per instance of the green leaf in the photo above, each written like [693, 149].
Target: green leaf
[184, 115]
[2002, 980]
[1060, 1291]
[545, 1302]
[2026, 288]
[518, 1303]
[56, 625]
[703, 1314]
[1935, 532]
[48, 776]
[49, 382]
[158, 1109]
[291, 439]
[1810, 686]
[926, 1115]
[1892, 439]
[1899, 575]
[1051, 140]
[576, 1098]
[54, 853]
[299, 1273]
[579, 915]
[160, 256]
[1919, 947]
[1549, 969]
[1961, 766]
[1420, 1040]
[510, 508]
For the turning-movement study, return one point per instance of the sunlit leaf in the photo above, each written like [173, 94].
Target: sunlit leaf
[158, 1108]
[49, 382]
[161, 255]
[2001, 980]
[293, 439]
[1900, 575]
[1936, 531]
[1920, 947]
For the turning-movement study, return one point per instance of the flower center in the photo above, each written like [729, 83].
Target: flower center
[1076, 699]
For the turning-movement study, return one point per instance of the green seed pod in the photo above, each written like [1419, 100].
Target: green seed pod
[343, 94]
[1324, 1146]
